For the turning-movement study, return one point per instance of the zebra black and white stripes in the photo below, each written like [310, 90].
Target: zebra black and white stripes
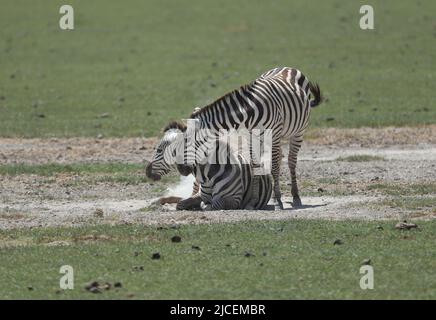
[280, 100]
[230, 183]
[227, 184]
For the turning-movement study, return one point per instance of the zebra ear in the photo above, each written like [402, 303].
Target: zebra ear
[192, 124]
[175, 125]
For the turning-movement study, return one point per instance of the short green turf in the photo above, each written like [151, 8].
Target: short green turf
[131, 66]
[249, 260]
[422, 188]
[360, 158]
[91, 173]
[411, 203]
[51, 169]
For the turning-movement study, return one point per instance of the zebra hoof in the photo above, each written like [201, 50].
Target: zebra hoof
[296, 202]
[278, 205]
[180, 207]
[206, 207]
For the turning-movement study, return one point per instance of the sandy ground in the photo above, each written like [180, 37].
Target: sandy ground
[134, 150]
[67, 200]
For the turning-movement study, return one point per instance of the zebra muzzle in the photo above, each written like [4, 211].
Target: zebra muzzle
[150, 174]
[184, 170]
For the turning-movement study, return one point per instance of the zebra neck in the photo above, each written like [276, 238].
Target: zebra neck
[226, 112]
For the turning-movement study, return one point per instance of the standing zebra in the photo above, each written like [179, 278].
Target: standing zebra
[279, 100]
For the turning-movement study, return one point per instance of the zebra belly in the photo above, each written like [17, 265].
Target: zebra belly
[259, 193]
[251, 192]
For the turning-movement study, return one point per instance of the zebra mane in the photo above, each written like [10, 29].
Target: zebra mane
[175, 125]
[198, 111]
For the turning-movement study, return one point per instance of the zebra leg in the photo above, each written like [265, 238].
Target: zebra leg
[220, 203]
[192, 203]
[256, 167]
[253, 194]
[206, 207]
[294, 147]
[195, 188]
[275, 171]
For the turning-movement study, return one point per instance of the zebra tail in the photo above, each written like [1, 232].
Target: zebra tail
[316, 93]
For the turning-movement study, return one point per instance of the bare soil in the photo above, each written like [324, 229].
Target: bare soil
[69, 200]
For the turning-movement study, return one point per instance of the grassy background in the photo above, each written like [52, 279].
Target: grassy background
[142, 63]
[111, 172]
[289, 260]
[75, 168]
[130, 66]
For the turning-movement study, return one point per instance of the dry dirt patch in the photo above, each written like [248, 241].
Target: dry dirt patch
[135, 150]
[30, 200]
[74, 150]
[369, 137]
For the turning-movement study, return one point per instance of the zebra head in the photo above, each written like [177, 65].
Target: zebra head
[186, 151]
[165, 152]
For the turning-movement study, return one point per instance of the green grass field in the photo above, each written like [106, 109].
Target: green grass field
[129, 67]
[75, 168]
[260, 260]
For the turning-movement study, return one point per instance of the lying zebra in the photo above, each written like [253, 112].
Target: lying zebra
[227, 184]
[280, 100]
